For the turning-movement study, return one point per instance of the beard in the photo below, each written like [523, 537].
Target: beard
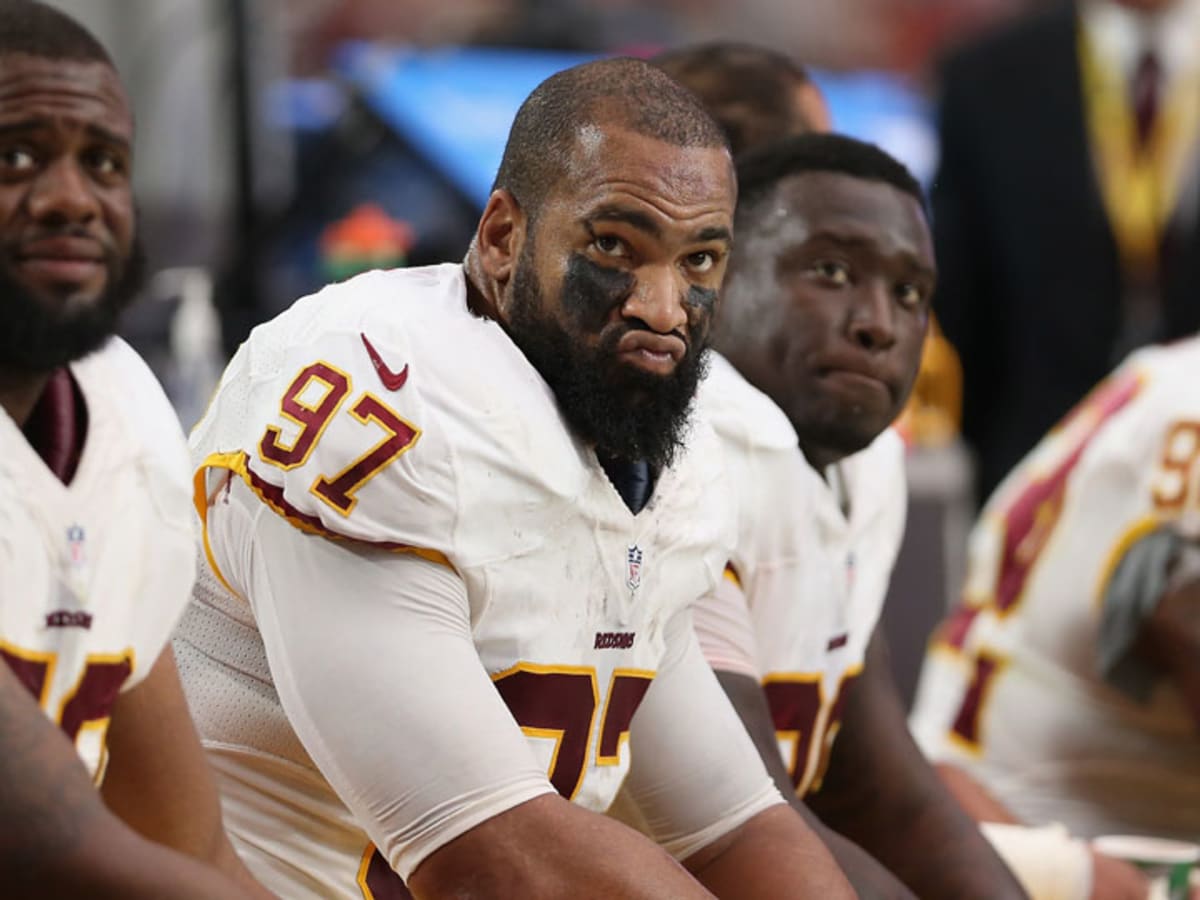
[41, 335]
[625, 412]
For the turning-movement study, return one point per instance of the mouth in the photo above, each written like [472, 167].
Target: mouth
[658, 354]
[61, 260]
[856, 380]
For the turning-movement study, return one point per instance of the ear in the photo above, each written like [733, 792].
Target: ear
[500, 236]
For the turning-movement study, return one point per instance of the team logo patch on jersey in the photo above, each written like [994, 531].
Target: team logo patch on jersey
[72, 585]
[75, 545]
[633, 559]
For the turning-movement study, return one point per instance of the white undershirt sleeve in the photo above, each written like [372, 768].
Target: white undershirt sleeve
[694, 774]
[372, 657]
[725, 630]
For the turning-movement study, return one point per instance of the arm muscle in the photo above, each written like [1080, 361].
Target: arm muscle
[881, 792]
[56, 837]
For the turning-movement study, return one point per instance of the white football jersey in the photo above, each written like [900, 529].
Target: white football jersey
[94, 574]
[1010, 689]
[382, 411]
[809, 575]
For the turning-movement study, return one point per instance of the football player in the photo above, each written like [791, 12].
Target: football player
[452, 539]
[757, 95]
[827, 306]
[1066, 688]
[96, 534]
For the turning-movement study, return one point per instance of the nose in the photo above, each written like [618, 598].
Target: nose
[872, 323]
[658, 300]
[62, 194]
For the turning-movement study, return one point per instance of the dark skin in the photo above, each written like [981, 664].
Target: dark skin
[839, 273]
[868, 878]
[66, 204]
[850, 264]
[880, 792]
[66, 233]
[59, 839]
[633, 228]
[617, 251]
[1170, 639]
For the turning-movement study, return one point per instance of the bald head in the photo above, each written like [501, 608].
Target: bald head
[35, 29]
[625, 94]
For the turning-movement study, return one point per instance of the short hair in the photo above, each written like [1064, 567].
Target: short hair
[749, 90]
[741, 324]
[33, 28]
[759, 171]
[628, 93]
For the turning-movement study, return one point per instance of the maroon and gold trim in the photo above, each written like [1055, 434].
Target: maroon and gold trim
[338, 491]
[377, 880]
[1029, 521]
[1134, 533]
[312, 420]
[273, 496]
[558, 703]
[625, 693]
[831, 726]
[33, 668]
[731, 575]
[966, 732]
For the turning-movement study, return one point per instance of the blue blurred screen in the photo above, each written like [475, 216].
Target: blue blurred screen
[455, 105]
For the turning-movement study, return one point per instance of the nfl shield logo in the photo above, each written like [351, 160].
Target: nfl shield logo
[633, 557]
[75, 538]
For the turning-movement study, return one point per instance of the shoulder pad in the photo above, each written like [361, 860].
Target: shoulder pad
[740, 412]
[331, 412]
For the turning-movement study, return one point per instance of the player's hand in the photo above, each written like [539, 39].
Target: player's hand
[1115, 879]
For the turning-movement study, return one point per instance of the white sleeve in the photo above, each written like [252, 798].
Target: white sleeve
[694, 773]
[725, 630]
[372, 657]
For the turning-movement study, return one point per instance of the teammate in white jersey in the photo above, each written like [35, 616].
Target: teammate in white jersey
[1067, 685]
[96, 532]
[452, 541]
[827, 307]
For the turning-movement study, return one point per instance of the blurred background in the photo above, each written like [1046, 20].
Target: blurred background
[283, 144]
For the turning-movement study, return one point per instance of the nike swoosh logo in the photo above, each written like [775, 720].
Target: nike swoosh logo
[393, 381]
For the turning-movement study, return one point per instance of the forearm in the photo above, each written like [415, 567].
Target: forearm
[1047, 860]
[974, 798]
[158, 781]
[548, 847]
[882, 794]
[900, 825]
[866, 875]
[760, 859]
[56, 837]
[111, 863]
[1170, 639]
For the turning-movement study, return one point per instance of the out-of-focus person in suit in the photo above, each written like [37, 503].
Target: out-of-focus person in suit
[1065, 208]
